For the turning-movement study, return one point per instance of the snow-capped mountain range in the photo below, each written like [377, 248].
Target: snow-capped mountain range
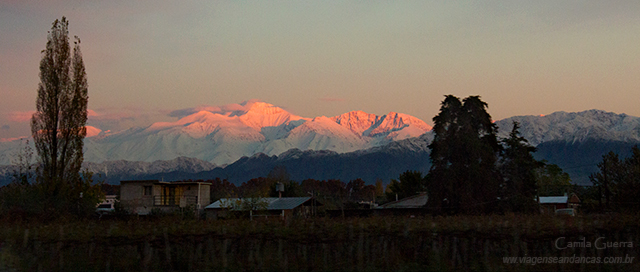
[250, 142]
[223, 137]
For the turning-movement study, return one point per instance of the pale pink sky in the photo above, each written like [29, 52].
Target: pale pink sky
[147, 59]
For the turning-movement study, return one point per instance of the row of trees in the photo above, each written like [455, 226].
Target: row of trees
[336, 194]
[474, 172]
[333, 193]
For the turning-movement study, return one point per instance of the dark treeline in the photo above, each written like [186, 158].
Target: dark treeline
[617, 184]
[333, 193]
[474, 172]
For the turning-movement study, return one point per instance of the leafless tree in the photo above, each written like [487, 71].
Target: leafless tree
[58, 126]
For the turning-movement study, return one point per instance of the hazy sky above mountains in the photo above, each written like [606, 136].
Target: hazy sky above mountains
[147, 59]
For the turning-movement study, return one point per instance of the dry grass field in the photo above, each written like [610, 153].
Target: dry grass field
[454, 243]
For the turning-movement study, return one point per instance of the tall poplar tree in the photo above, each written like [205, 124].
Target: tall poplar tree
[58, 126]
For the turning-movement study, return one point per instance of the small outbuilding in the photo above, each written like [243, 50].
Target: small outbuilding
[549, 204]
[412, 205]
[284, 207]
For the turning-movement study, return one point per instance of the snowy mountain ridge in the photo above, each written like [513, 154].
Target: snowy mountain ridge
[575, 141]
[222, 137]
[574, 127]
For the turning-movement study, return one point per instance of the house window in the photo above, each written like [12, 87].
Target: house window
[147, 190]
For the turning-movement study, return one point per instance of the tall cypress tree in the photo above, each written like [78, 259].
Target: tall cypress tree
[611, 172]
[463, 176]
[442, 179]
[518, 169]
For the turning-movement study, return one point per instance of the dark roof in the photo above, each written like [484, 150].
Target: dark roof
[274, 203]
[155, 181]
[416, 201]
[139, 181]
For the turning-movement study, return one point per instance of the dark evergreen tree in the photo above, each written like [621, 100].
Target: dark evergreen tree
[442, 177]
[627, 191]
[618, 182]
[518, 168]
[463, 176]
[611, 171]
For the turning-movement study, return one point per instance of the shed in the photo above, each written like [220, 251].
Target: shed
[549, 204]
[411, 205]
[415, 201]
[267, 206]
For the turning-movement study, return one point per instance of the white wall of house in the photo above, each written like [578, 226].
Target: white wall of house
[141, 196]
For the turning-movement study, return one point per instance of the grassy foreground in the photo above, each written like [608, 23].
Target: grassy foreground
[357, 244]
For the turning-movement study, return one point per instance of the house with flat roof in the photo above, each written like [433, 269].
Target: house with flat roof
[141, 196]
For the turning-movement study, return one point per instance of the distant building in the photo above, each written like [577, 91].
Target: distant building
[549, 204]
[141, 196]
[284, 207]
[109, 199]
[415, 201]
[413, 205]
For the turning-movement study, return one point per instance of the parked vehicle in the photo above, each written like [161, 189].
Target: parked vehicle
[566, 212]
[105, 208]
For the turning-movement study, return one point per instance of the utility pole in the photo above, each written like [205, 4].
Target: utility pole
[606, 184]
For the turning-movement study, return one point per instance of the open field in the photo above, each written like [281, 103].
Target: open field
[353, 244]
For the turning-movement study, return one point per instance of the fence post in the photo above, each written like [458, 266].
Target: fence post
[60, 244]
[25, 241]
[167, 248]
